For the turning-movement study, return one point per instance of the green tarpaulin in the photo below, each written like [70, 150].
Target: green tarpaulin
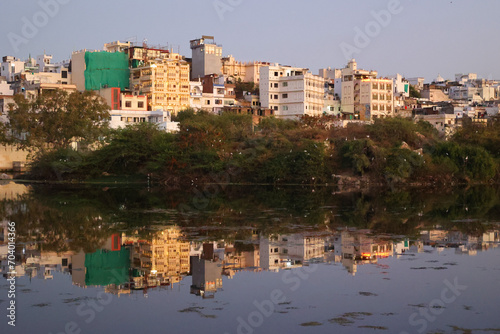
[105, 267]
[106, 69]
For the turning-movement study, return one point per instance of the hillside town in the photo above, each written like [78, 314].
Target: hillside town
[151, 83]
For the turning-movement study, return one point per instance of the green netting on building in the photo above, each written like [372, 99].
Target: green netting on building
[106, 69]
[106, 267]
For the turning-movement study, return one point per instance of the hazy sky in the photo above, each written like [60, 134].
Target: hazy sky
[421, 38]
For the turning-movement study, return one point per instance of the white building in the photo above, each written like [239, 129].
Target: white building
[464, 78]
[10, 67]
[417, 82]
[5, 89]
[196, 94]
[401, 85]
[291, 92]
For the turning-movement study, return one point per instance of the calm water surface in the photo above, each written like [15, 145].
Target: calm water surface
[252, 260]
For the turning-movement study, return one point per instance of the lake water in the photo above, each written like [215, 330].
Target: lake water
[230, 259]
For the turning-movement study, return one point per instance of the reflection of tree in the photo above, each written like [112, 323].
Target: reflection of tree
[58, 228]
[83, 218]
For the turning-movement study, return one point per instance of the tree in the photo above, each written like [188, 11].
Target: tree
[55, 119]
[414, 92]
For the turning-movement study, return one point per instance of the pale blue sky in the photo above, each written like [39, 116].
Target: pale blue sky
[426, 38]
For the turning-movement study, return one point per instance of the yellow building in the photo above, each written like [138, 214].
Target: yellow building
[245, 71]
[165, 82]
[164, 258]
[364, 95]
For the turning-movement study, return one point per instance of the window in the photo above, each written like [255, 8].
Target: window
[285, 96]
[64, 74]
[285, 108]
[208, 102]
[276, 74]
[140, 104]
[275, 107]
[128, 104]
[276, 85]
[271, 96]
[285, 84]
[275, 96]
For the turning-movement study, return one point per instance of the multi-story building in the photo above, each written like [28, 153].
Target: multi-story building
[94, 70]
[196, 94]
[418, 82]
[206, 57]
[291, 92]
[165, 82]
[287, 251]
[162, 259]
[32, 77]
[5, 89]
[216, 93]
[128, 108]
[244, 71]
[10, 67]
[364, 96]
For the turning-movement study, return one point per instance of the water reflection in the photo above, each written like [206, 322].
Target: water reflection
[127, 262]
[243, 243]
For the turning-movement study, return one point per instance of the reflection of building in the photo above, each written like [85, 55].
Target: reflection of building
[109, 265]
[357, 247]
[162, 260]
[289, 251]
[463, 243]
[207, 276]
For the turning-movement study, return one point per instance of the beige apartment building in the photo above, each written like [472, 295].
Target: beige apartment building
[364, 95]
[165, 257]
[291, 92]
[165, 82]
[244, 71]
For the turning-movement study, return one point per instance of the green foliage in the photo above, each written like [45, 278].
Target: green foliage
[394, 131]
[139, 148]
[56, 118]
[487, 137]
[414, 92]
[401, 164]
[470, 161]
[357, 154]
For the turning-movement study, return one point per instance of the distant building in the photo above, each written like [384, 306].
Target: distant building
[244, 71]
[434, 93]
[165, 82]
[94, 70]
[206, 57]
[364, 96]
[291, 91]
[128, 109]
[216, 93]
[418, 83]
